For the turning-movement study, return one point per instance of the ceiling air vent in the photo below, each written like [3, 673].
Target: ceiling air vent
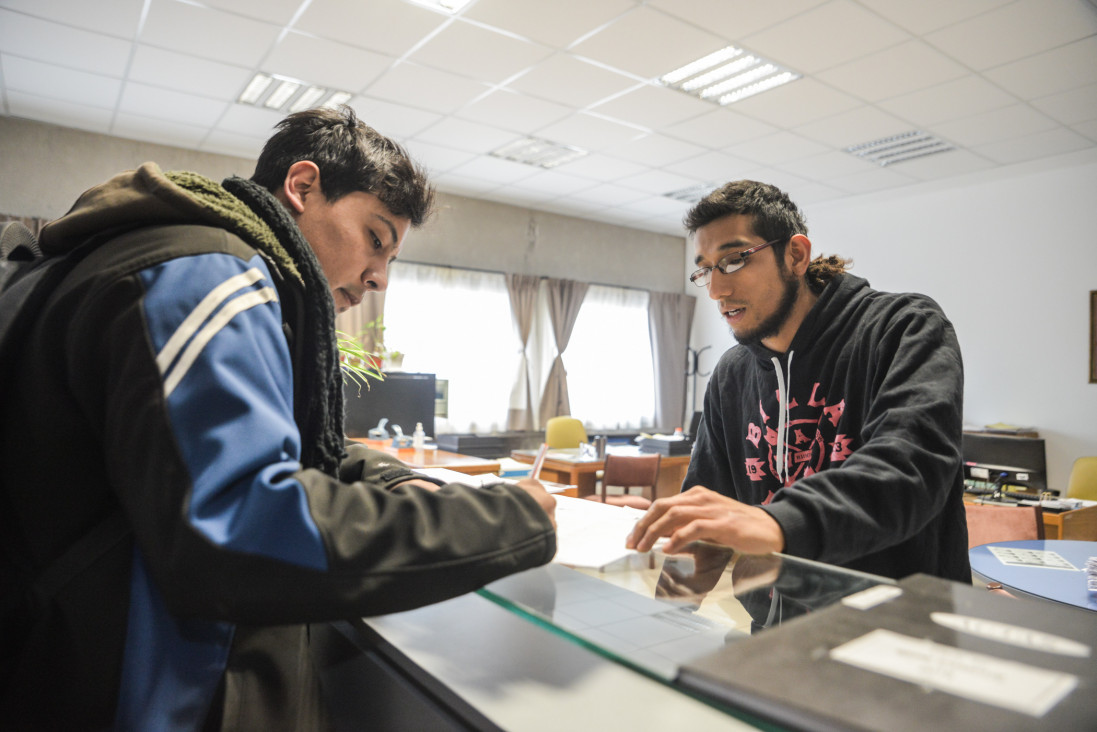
[542, 153]
[900, 148]
[693, 194]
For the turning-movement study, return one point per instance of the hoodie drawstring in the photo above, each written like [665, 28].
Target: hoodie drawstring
[781, 458]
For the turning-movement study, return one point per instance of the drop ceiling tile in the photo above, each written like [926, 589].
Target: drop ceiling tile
[712, 166]
[811, 193]
[512, 111]
[424, 87]
[653, 107]
[804, 100]
[1067, 67]
[494, 170]
[1088, 129]
[719, 129]
[1077, 105]
[462, 185]
[482, 54]
[611, 194]
[853, 127]
[469, 136]
[850, 31]
[159, 131]
[658, 182]
[588, 132]
[1002, 124]
[1032, 26]
[111, 17]
[878, 179]
[57, 82]
[637, 43]
[777, 148]
[568, 80]
[243, 119]
[961, 98]
[190, 74]
[392, 27]
[943, 165]
[574, 207]
[930, 15]
[602, 167]
[555, 24]
[327, 63]
[515, 196]
[394, 120]
[232, 144]
[654, 206]
[734, 19]
[151, 102]
[58, 112]
[554, 183]
[828, 165]
[894, 71]
[1040, 145]
[58, 44]
[209, 33]
[279, 12]
[436, 158]
[655, 150]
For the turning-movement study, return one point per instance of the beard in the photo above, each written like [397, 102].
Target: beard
[776, 320]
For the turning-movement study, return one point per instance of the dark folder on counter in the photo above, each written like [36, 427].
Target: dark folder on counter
[924, 654]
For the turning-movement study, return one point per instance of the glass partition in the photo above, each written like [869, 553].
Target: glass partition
[655, 612]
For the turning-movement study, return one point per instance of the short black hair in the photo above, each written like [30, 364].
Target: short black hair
[773, 214]
[351, 156]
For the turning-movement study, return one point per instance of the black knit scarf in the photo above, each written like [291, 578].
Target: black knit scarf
[319, 412]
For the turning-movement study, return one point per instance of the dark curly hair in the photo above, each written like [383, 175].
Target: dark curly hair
[773, 217]
[351, 156]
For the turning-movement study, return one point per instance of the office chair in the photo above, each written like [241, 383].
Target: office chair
[1083, 479]
[631, 471]
[564, 432]
[987, 524]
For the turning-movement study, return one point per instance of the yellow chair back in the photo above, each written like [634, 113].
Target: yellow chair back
[563, 432]
[1083, 479]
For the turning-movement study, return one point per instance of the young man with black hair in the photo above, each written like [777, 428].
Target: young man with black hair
[173, 436]
[832, 431]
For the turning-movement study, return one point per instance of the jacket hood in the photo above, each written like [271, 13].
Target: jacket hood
[841, 293]
[146, 197]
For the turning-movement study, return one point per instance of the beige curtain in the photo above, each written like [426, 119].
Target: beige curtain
[523, 301]
[670, 317]
[565, 298]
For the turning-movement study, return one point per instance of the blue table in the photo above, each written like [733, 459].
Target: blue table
[1061, 585]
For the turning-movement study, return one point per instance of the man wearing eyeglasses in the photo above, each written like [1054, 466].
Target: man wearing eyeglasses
[832, 431]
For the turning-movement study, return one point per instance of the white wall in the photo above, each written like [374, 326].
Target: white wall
[1011, 258]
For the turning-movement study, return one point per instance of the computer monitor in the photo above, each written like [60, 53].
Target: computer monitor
[402, 398]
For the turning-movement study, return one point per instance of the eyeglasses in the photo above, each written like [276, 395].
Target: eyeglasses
[731, 263]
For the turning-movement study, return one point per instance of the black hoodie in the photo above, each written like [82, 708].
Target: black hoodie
[861, 465]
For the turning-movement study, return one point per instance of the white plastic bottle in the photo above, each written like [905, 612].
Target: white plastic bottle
[418, 437]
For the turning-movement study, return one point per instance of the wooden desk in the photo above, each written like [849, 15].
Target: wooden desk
[466, 464]
[564, 466]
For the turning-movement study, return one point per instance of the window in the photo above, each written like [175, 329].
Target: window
[611, 384]
[456, 324]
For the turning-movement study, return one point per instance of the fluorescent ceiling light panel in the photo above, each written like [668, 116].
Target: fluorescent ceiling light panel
[542, 153]
[727, 76]
[900, 148]
[289, 95]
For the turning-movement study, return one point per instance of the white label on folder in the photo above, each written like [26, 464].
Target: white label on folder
[871, 597]
[1010, 685]
[1014, 635]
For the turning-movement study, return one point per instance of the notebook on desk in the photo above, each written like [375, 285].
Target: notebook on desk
[927, 654]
